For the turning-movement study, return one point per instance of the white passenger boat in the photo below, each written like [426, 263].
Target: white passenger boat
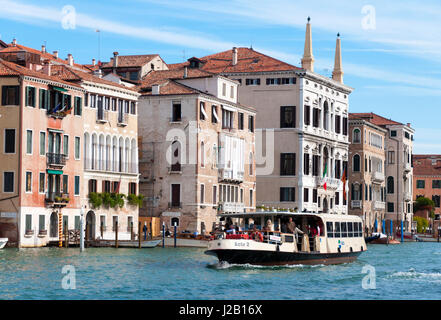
[326, 239]
[3, 242]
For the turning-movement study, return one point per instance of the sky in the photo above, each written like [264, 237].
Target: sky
[391, 50]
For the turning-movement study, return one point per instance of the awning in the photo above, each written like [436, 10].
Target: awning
[228, 108]
[203, 111]
[215, 115]
[59, 89]
[49, 171]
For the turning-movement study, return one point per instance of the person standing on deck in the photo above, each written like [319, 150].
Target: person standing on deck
[144, 229]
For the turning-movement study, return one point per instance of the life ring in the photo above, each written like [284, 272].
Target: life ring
[257, 236]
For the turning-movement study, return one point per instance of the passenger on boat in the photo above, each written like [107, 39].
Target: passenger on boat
[291, 225]
[256, 235]
[268, 226]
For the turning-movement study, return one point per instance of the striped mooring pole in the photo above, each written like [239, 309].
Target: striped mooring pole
[60, 230]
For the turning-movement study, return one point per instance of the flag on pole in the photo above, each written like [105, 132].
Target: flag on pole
[324, 174]
[343, 179]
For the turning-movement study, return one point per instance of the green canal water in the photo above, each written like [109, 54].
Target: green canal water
[405, 271]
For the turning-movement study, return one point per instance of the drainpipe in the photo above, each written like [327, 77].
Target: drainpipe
[20, 136]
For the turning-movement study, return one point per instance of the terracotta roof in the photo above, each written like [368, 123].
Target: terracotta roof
[422, 165]
[11, 69]
[44, 55]
[3, 44]
[373, 118]
[171, 87]
[132, 60]
[69, 74]
[248, 60]
[160, 76]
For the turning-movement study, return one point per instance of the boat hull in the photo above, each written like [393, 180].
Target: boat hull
[3, 242]
[274, 258]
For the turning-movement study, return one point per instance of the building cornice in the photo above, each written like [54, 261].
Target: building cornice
[324, 80]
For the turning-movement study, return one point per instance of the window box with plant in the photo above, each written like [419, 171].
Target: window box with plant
[135, 200]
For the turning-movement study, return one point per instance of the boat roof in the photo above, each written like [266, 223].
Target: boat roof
[322, 216]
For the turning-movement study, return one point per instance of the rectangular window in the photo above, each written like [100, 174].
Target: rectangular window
[65, 223]
[337, 233]
[314, 196]
[421, 184]
[28, 141]
[240, 120]
[66, 146]
[329, 229]
[391, 157]
[436, 200]
[30, 96]
[251, 195]
[214, 117]
[28, 181]
[65, 184]
[132, 188]
[77, 186]
[41, 183]
[132, 107]
[390, 207]
[306, 195]
[252, 82]
[202, 195]
[42, 143]
[77, 148]
[251, 123]
[287, 164]
[10, 95]
[41, 222]
[43, 99]
[315, 117]
[214, 194]
[28, 222]
[307, 115]
[337, 198]
[436, 184]
[393, 133]
[106, 186]
[337, 124]
[306, 164]
[287, 194]
[287, 117]
[345, 127]
[8, 181]
[227, 119]
[176, 111]
[343, 228]
[202, 114]
[77, 222]
[175, 195]
[92, 185]
[78, 109]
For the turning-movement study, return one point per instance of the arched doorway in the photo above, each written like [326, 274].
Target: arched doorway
[53, 230]
[325, 205]
[90, 225]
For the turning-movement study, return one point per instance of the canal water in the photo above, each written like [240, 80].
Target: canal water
[405, 271]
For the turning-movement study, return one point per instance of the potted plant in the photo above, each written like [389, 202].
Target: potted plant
[95, 200]
[135, 200]
[57, 198]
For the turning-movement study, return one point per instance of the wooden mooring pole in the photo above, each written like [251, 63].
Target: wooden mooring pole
[163, 235]
[116, 234]
[139, 234]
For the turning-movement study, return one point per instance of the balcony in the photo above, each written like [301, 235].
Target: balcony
[331, 183]
[175, 168]
[407, 196]
[231, 207]
[230, 175]
[407, 167]
[379, 205]
[377, 177]
[173, 204]
[123, 119]
[57, 199]
[56, 159]
[356, 204]
[102, 116]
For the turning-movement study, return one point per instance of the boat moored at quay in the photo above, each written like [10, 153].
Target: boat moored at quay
[317, 239]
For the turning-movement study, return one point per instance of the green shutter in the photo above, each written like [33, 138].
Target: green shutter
[26, 96]
[48, 99]
[80, 106]
[41, 99]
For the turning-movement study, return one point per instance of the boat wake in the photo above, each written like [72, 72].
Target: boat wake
[413, 275]
[222, 265]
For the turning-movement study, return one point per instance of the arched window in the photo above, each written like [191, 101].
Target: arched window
[325, 115]
[356, 163]
[356, 194]
[390, 184]
[356, 136]
[86, 151]
[134, 157]
[175, 221]
[176, 156]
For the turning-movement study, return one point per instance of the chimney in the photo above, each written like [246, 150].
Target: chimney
[185, 72]
[93, 62]
[43, 48]
[155, 89]
[308, 59]
[115, 59]
[337, 74]
[56, 54]
[408, 124]
[47, 68]
[234, 56]
[70, 59]
[14, 42]
[98, 73]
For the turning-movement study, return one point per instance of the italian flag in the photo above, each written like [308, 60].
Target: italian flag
[324, 174]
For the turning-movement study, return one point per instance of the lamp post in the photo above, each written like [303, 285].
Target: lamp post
[81, 230]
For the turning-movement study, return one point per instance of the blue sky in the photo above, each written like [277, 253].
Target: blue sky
[391, 50]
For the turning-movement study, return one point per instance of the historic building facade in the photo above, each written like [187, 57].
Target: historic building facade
[367, 172]
[197, 148]
[302, 125]
[399, 170]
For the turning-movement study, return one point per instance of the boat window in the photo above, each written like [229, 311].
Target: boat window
[344, 230]
[360, 230]
[337, 230]
[356, 234]
[329, 230]
[350, 229]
